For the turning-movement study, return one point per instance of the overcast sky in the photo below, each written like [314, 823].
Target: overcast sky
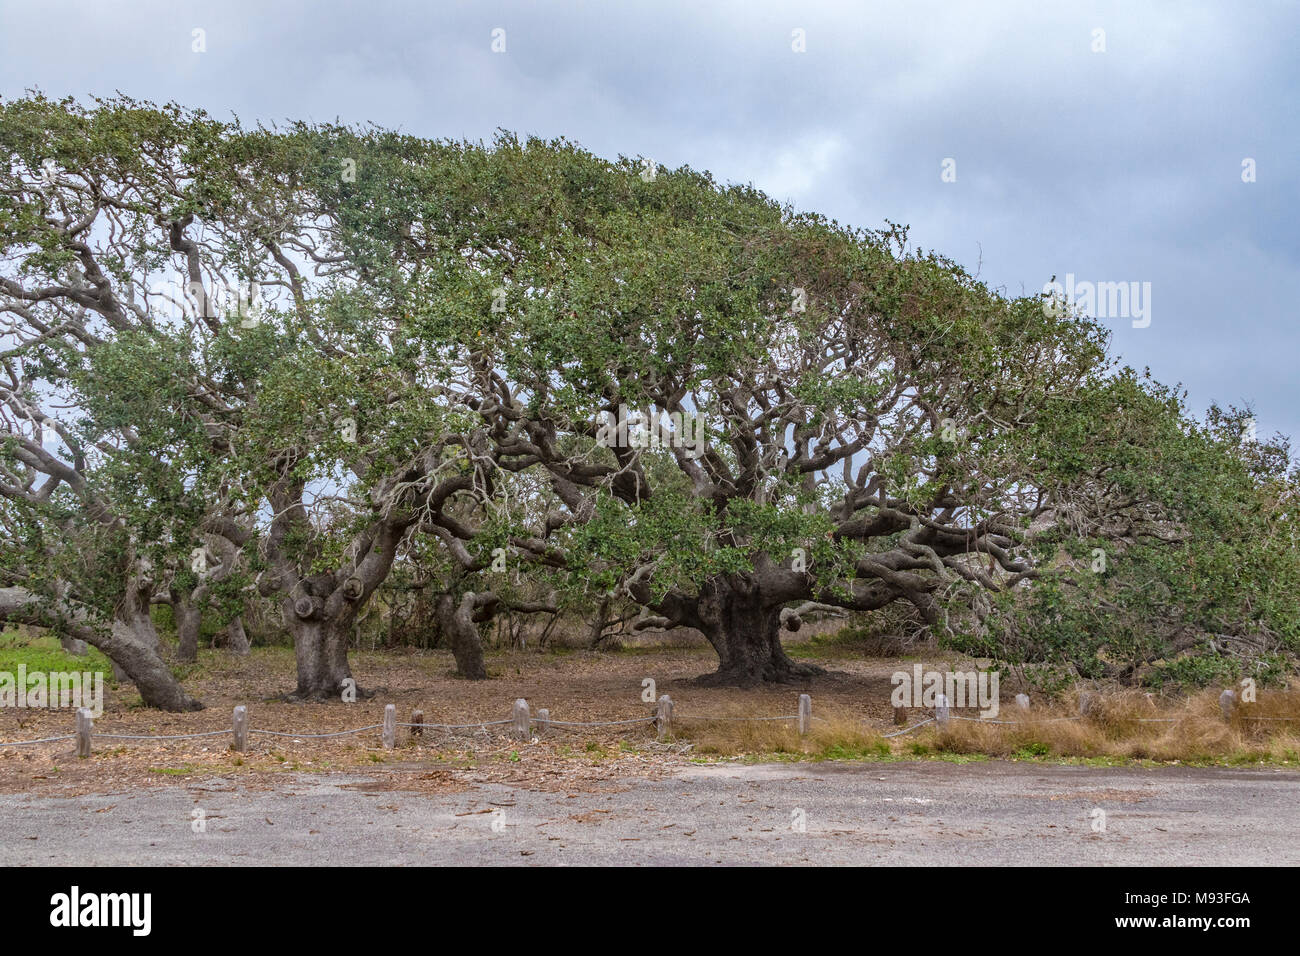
[1100, 141]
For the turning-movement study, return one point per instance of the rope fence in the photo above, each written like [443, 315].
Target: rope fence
[341, 733]
[908, 730]
[523, 724]
[43, 740]
[210, 733]
[708, 718]
[597, 723]
[482, 724]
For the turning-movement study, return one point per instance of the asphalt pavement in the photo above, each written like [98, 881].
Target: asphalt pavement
[909, 813]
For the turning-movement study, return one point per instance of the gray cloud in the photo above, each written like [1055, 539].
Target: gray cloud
[1122, 165]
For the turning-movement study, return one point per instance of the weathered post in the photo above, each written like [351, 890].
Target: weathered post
[85, 724]
[941, 710]
[664, 714]
[1227, 703]
[390, 726]
[417, 718]
[543, 720]
[1085, 704]
[805, 714]
[1022, 701]
[521, 718]
[240, 727]
[900, 716]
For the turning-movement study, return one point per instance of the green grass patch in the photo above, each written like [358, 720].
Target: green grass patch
[1031, 751]
[44, 653]
[872, 751]
[846, 642]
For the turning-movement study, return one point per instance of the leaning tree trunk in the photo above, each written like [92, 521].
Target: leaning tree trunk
[746, 633]
[134, 646]
[131, 643]
[73, 646]
[456, 619]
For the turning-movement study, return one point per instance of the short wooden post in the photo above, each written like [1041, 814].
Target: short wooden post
[85, 724]
[521, 718]
[1085, 704]
[664, 714]
[900, 716]
[805, 714]
[543, 720]
[1022, 701]
[417, 719]
[390, 726]
[941, 710]
[1227, 704]
[240, 726]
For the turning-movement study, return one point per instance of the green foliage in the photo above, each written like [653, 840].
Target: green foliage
[1202, 588]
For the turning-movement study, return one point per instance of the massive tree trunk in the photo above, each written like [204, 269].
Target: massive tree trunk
[320, 610]
[746, 633]
[131, 643]
[320, 645]
[456, 619]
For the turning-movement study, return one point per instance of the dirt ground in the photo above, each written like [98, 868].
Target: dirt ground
[574, 685]
[851, 703]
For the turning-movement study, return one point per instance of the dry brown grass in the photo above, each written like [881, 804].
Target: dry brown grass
[837, 735]
[1120, 725]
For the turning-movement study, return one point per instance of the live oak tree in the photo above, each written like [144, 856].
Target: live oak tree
[122, 227]
[107, 285]
[853, 422]
[438, 345]
[211, 583]
[70, 542]
[255, 370]
[870, 415]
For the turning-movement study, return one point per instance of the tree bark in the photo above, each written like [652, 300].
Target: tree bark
[134, 646]
[189, 621]
[131, 643]
[73, 646]
[320, 644]
[746, 633]
[319, 610]
[237, 637]
[597, 632]
[455, 618]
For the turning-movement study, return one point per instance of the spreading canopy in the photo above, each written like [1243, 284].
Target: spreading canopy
[620, 381]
